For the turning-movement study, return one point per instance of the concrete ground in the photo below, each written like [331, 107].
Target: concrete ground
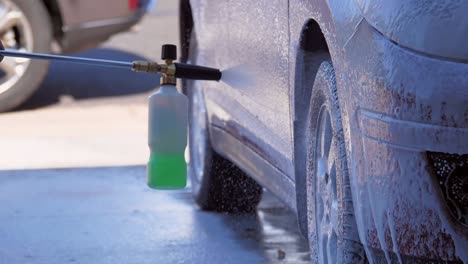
[108, 215]
[72, 175]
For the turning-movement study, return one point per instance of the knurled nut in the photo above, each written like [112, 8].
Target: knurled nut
[146, 66]
[168, 80]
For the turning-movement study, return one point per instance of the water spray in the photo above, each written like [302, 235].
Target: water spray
[168, 109]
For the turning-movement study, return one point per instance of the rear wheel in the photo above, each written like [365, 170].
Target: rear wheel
[332, 228]
[25, 26]
[217, 184]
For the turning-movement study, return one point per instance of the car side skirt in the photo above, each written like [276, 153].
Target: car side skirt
[249, 161]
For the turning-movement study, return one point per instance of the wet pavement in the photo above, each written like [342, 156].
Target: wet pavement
[108, 215]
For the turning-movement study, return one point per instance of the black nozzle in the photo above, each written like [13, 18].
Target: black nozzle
[195, 72]
[169, 52]
[187, 71]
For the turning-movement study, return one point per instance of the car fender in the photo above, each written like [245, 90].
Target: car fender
[437, 28]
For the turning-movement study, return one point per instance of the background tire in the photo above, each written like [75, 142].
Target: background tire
[333, 235]
[33, 32]
[217, 184]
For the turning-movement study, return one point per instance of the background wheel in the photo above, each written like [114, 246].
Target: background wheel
[217, 184]
[24, 25]
[333, 235]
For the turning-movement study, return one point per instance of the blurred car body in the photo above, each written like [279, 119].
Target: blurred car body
[86, 23]
[354, 113]
[59, 26]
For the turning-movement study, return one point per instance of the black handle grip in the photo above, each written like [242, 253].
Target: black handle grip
[194, 72]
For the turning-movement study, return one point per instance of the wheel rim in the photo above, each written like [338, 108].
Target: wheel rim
[15, 33]
[198, 133]
[326, 200]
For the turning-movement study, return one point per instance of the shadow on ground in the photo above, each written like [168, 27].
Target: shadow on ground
[80, 82]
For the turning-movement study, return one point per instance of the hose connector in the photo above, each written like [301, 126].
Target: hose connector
[171, 70]
[146, 66]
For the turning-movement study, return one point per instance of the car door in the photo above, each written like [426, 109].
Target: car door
[75, 13]
[255, 88]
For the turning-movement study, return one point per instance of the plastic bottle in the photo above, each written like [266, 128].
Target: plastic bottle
[167, 139]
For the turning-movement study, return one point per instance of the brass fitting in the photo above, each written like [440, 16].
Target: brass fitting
[168, 70]
[146, 66]
[166, 79]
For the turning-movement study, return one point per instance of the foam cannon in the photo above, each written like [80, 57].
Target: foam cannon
[168, 109]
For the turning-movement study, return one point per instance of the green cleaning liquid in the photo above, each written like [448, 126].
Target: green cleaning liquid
[167, 139]
[167, 172]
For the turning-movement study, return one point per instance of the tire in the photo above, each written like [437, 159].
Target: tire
[332, 228]
[217, 184]
[33, 33]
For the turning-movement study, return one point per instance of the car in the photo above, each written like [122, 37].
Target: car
[59, 26]
[353, 113]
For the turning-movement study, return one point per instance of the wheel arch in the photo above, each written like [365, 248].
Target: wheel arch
[312, 41]
[55, 14]
[185, 28]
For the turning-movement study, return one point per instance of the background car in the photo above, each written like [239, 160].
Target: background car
[59, 26]
[354, 113]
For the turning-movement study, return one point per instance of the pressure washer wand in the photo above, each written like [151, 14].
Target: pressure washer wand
[49, 57]
[171, 69]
